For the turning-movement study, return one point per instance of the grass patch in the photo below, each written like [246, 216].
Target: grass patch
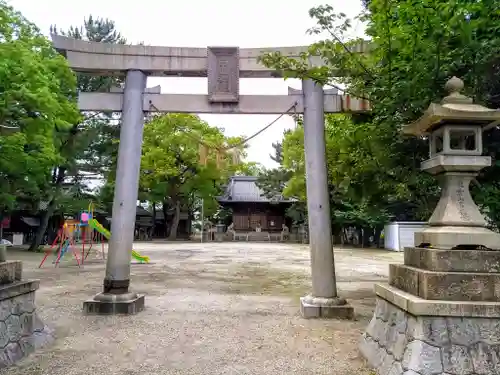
[260, 280]
[254, 279]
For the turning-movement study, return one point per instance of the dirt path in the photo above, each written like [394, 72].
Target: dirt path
[211, 309]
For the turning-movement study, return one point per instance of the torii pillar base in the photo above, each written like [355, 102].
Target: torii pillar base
[114, 304]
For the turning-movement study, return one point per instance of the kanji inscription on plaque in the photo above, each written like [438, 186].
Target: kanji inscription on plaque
[223, 73]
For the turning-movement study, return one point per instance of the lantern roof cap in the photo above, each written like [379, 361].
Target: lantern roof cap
[455, 108]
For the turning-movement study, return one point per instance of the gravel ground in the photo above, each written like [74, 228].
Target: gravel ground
[226, 308]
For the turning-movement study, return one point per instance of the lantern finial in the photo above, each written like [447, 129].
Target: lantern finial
[454, 85]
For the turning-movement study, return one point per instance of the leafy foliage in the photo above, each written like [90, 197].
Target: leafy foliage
[413, 48]
[38, 97]
[87, 146]
[90, 146]
[171, 170]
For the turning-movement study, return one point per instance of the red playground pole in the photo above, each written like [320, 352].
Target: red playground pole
[101, 237]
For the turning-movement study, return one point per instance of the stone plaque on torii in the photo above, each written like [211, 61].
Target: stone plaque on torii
[223, 66]
[223, 74]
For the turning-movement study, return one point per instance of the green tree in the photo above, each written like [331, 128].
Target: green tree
[171, 170]
[273, 181]
[278, 152]
[86, 147]
[39, 99]
[359, 192]
[413, 48]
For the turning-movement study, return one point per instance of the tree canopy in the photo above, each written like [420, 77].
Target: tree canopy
[86, 146]
[413, 47]
[38, 100]
[60, 150]
[49, 150]
[173, 172]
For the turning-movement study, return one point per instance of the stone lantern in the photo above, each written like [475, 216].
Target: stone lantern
[439, 313]
[454, 128]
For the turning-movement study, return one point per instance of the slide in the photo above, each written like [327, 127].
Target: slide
[140, 258]
[94, 224]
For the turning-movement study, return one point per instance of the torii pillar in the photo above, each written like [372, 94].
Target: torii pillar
[116, 298]
[323, 302]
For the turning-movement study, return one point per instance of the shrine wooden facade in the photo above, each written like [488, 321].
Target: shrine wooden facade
[251, 208]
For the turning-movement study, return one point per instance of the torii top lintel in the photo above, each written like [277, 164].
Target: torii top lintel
[106, 58]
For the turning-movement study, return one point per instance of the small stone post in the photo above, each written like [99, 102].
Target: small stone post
[219, 233]
[440, 313]
[3, 253]
[116, 297]
[323, 302]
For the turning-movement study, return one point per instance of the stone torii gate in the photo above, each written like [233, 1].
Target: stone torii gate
[223, 66]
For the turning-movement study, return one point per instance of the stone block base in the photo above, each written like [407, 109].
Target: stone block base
[440, 260]
[113, 307]
[456, 286]
[326, 311]
[10, 271]
[398, 342]
[219, 237]
[21, 330]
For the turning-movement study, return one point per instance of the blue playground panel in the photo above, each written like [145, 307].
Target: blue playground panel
[64, 249]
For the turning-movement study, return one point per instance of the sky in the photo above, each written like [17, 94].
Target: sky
[258, 23]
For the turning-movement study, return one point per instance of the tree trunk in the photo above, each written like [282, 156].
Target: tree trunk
[175, 221]
[1, 226]
[367, 232]
[44, 220]
[154, 221]
[164, 208]
[345, 239]
[358, 240]
[376, 239]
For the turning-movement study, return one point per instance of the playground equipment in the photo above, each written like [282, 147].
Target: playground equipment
[140, 258]
[94, 224]
[72, 233]
[89, 231]
[64, 242]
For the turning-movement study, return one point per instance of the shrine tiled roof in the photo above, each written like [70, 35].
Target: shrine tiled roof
[245, 189]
